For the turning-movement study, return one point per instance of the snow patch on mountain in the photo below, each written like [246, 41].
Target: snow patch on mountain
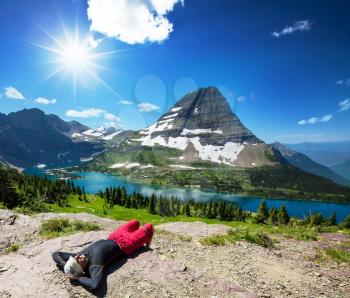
[101, 133]
[198, 131]
[111, 136]
[176, 109]
[183, 167]
[226, 154]
[127, 165]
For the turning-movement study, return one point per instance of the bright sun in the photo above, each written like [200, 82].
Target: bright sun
[77, 57]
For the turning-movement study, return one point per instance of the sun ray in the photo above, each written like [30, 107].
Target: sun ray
[52, 74]
[103, 82]
[74, 55]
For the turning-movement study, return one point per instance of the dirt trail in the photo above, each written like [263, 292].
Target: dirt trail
[176, 266]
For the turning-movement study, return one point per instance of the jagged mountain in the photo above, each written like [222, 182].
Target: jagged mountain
[305, 163]
[29, 137]
[203, 127]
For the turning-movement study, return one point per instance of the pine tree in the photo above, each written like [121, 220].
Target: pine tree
[273, 217]
[262, 213]
[152, 205]
[221, 211]
[187, 210]
[316, 220]
[210, 213]
[8, 195]
[345, 224]
[333, 219]
[84, 195]
[283, 216]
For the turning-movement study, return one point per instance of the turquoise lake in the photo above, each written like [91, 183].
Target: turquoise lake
[94, 181]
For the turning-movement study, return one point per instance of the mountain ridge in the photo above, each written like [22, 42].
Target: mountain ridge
[29, 137]
[306, 164]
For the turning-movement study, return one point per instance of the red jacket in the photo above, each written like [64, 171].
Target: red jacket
[131, 236]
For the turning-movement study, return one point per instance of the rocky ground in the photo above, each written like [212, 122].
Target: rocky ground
[177, 265]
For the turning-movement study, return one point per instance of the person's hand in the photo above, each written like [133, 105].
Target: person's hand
[72, 277]
[81, 260]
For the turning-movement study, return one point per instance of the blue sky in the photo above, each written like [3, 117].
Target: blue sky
[284, 66]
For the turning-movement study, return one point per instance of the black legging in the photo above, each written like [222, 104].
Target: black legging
[99, 254]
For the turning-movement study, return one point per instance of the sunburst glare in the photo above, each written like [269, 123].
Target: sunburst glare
[76, 56]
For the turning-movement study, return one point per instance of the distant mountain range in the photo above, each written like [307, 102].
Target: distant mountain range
[305, 163]
[31, 137]
[342, 169]
[325, 153]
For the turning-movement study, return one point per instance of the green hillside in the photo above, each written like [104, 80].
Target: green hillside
[161, 166]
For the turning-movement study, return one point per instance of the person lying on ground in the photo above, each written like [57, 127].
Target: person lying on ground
[87, 266]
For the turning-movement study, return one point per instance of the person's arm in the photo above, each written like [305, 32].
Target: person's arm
[96, 276]
[61, 258]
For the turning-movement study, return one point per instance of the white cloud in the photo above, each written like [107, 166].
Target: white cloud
[111, 117]
[345, 82]
[326, 118]
[45, 101]
[344, 105]
[240, 98]
[126, 102]
[303, 25]
[112, 124]
[85, 113]
[13, 93]
[314, 120]
[94, 42]
[132, 21]
[147, 107]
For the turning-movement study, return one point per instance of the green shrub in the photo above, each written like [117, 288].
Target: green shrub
[345, 224]
[234, 235]
[56, 227]
[214, 240]
[12, 248]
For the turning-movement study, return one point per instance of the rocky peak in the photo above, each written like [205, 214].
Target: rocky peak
[205, 113]
[203, 125]
[284, 150]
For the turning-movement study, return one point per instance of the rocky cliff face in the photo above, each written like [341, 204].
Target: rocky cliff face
[205, 113]
[203, 126]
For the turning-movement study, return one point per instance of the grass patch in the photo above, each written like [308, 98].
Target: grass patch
[170, 235]
[334, 254]
[57, 227]
[95, 206]
[258, 238]
[12, 248]
[185, 238]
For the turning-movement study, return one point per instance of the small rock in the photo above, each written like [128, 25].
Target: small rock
[3, 269]
[7, 217]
